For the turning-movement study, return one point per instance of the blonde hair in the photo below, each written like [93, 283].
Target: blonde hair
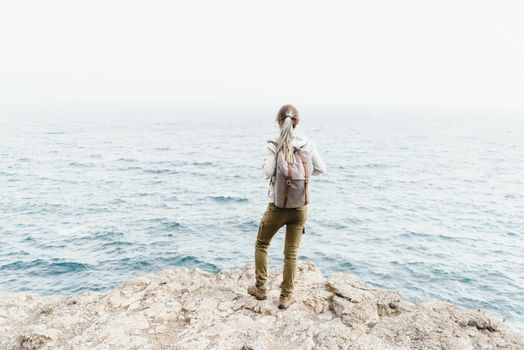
[287, 118]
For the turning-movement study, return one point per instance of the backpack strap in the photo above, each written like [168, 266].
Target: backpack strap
[306, 176]
[276, 145]
[289, 178]
[288, 184]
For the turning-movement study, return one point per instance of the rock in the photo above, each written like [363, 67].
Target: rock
[388, 303]
[239, 304]
[30, 342]
[155, 309]
[194, 309]
[134, 299]
[115, 300]
[226, 305]
[161, 318]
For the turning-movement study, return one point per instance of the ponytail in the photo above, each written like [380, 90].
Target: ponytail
[286, 140]
[287, 119]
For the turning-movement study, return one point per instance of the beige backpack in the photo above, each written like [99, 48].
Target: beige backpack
[291, 181]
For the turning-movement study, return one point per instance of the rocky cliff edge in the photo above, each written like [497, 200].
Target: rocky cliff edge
[179, 309]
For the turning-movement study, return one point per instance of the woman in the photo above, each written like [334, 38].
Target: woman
[275, 217]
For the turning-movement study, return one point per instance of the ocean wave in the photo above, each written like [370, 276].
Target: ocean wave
[52, 266]
[228, 199]
[160, 171]
[193, 261]
[166, 224]
[116, 243]
[202, 163]
[82, 165]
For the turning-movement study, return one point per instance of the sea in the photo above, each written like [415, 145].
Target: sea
[428, 202]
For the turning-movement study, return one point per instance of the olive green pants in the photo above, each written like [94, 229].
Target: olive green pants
[274, 218]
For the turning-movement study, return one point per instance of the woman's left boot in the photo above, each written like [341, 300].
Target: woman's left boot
[259, 293]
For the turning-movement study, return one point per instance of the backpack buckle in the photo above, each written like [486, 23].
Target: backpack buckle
[288, 182]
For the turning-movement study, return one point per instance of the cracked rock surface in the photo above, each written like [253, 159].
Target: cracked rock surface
[182, 309]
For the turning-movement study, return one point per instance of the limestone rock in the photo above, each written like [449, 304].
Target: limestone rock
[194, 309]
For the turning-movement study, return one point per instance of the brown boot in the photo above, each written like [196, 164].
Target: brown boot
[286, 301]
[259, 293]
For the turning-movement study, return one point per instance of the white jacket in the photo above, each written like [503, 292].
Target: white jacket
[299, 139]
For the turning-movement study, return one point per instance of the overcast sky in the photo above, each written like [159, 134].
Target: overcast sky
[418, 53]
